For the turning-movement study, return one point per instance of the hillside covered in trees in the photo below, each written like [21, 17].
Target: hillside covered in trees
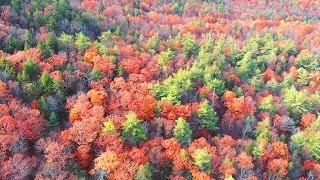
[160, 89]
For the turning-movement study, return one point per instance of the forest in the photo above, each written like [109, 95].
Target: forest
[160, 89]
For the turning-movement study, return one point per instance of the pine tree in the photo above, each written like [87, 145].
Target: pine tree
[5, 66]
[23, 77]
[53, 120]
[43, 104]
[303, 77]
[57, 86]
[216, 85]
[29, 42]
[132, 130]
[46, 51]
[298, 102]
[46, 83]
[82, 42]
[202, 159]
[16, 5]
[262, 135]
[96, 74]
[106, 39]
[257, 83]
[52, 42]
[273, 85]
[29, 72]
[165, 57]
[108, 127]
[189, 45]
[153, 44]
[246, 66]
[144, 172]
[32, 91]
[66, 42]
[207, 117]
[182, 132]
[31, 68]
[267, 105]
[13, 44]
[309, 140]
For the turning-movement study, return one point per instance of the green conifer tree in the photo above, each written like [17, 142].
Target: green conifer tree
[144, 172]
[202, 159]
[207, 117]
[182, 132]
[53, 120]
[82, 42]
[46, 83]
[132, 129]
[96, 74]
[29, 72]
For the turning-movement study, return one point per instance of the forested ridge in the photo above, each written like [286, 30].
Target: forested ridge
[160, 89]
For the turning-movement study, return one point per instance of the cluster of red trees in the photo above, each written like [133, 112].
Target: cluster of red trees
[148, 89]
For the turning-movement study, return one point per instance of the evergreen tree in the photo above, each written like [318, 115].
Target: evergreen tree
[66, 41]
[263, 129]
[108, 127]
[13, 44]
[173, 87]
[29, 42]
[303, 77]
[202, 159]
[46, 51]
[307, 61]
[246, 66]
[43, 104]
[216, 85]
[308, 140]
[273, 85]
[16, 5]
[96, 74]
[132, 130]
[52, 42]
[57, 86]
[207, 117]
[29, 72]
[267, 105]
[189, 45]
[153, 43]
[164, 58]
[106, 38]
[144, 172]
[53, 120]
[82, 42]
[5, 66]
[46, 83]
[32, 91]
[298, 102]
[262, 134]
[182, 132]
[257, 83]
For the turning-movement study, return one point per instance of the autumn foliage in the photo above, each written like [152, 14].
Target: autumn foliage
[178, 90]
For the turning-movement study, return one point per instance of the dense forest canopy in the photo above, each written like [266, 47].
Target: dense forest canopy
[160, 89]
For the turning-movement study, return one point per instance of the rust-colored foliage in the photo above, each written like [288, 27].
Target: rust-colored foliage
[278, 167]
[84, 155]
[238, 108]
[107, 161]
[244, 161]
[78, 124]
[172, 148]
[17, 167]
[307, 120]
[97, 97]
